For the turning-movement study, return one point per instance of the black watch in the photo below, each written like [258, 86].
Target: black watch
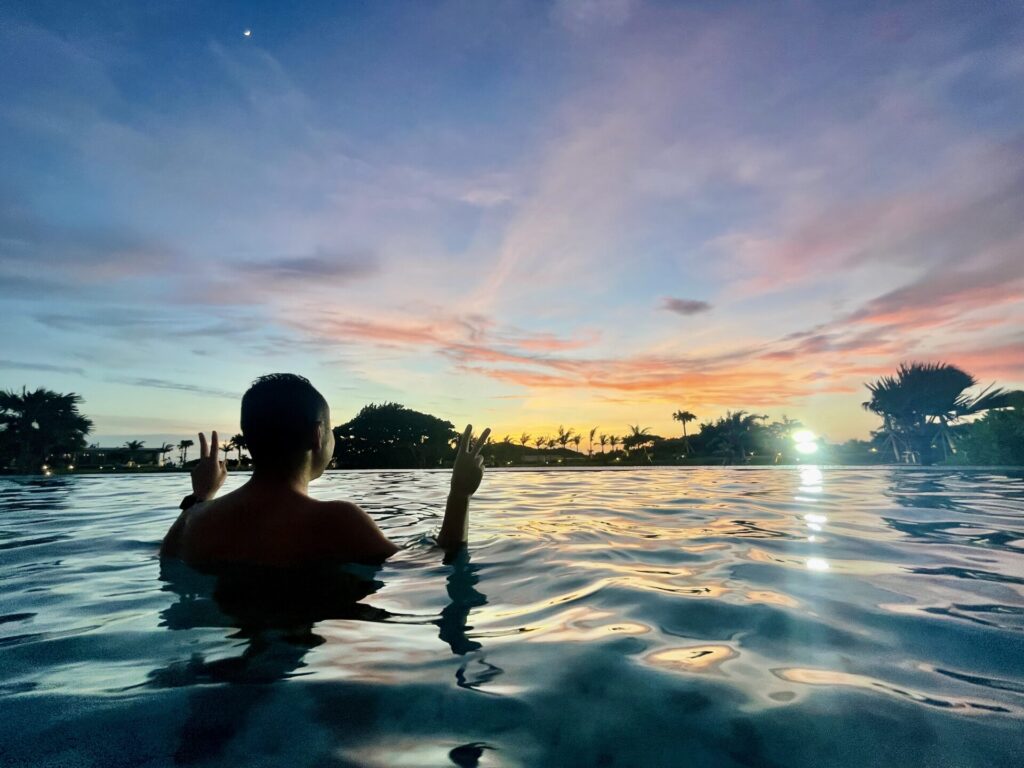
[189, 501]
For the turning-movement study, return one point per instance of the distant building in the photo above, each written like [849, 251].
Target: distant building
[120, 457]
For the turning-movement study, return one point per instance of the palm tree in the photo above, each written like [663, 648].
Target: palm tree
[918, 404]
[639, 438]
[539, 441]
[226, 449]
[524, 439]
[590, 450]
[576, 441]
[564, 436]
[613, 440]
[238, 441]
[734, 434]
[165, 448]
[551, 443]
[684, 417]
[603, 440]
[37, 425]
[183, 446]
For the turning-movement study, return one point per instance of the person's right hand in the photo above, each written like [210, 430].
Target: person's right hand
[469, 464]
[209, 473]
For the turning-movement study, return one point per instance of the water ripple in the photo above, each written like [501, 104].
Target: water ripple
[600, 617]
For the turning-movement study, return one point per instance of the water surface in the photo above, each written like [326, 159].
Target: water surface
[637, 617]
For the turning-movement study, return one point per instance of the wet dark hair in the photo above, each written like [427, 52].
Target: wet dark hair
[278, 412]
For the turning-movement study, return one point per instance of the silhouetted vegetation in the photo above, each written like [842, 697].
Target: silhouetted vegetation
[36, 427]
[391, 435]
[996, 438]
[925, 408]
[919, 405]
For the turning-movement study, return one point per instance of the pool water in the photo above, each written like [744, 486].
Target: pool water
[638, 617]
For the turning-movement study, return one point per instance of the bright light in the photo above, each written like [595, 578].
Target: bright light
[810, 476]
[247, 33]
[806, 441]
[817, 564]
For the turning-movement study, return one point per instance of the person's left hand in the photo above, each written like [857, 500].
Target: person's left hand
[209, 474]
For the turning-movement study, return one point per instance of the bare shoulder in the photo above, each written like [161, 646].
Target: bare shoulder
[343, 516]
[353, 525]
[339, 510]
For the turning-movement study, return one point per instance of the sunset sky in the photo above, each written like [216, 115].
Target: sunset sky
[519, 214]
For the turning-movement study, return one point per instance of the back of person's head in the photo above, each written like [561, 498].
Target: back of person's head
[280, 413]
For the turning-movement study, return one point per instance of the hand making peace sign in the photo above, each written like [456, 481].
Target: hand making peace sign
[209, 473]
[469, 464]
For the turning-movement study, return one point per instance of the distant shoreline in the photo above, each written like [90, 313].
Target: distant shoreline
[545, 468]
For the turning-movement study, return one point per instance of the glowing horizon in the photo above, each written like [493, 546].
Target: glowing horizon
[579, 212]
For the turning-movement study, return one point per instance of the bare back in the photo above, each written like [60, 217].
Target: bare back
[284, 528]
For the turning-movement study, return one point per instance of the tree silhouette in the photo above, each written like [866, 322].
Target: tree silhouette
[36, 426]
[590, 450]
[640, 438]
[684, 417]
[734, 435]
[183, 446]
[165, 448]
[391, 435]
[238, 441]
[921, 401]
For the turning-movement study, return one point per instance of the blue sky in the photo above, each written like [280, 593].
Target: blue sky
[520, 214]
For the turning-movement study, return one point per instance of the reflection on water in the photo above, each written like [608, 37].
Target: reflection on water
[735, 616]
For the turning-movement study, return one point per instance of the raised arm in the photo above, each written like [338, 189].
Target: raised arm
[466, 476]
[208, 476]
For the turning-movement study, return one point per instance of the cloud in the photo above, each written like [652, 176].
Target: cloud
[16, 365]
[316, 267]
[174, 386]
[942, 295]
[684, 306]
[512, 225]
[30, 247]
[140, 322]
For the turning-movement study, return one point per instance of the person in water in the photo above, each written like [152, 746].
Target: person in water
[272, 520]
